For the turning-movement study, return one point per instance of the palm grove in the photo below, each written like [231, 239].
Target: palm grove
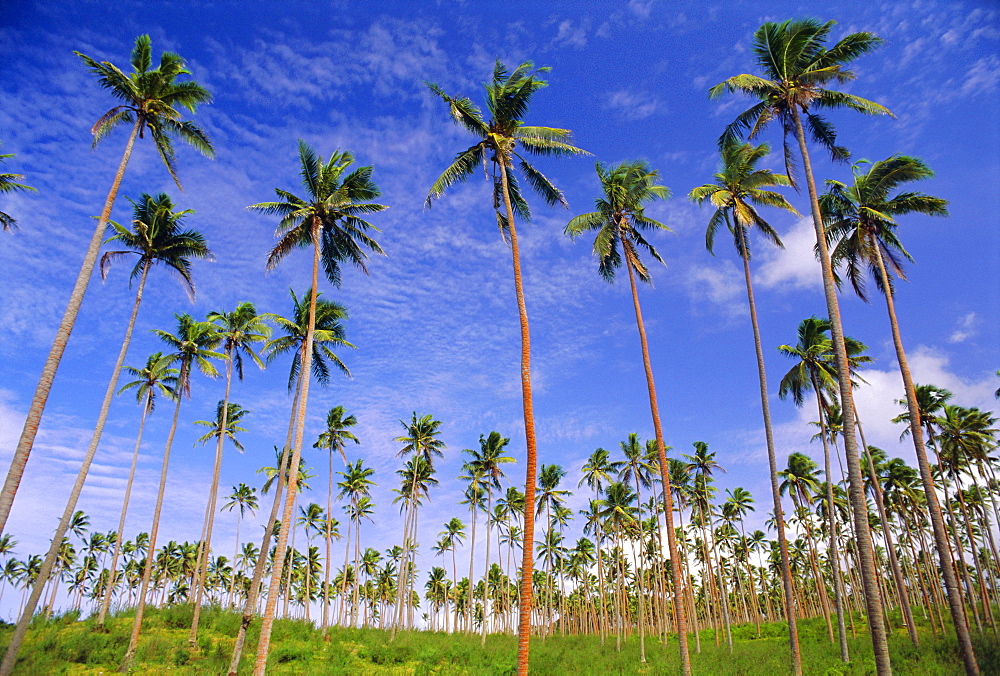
[661, 553]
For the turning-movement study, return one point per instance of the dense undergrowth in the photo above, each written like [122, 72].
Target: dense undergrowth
[66, 645]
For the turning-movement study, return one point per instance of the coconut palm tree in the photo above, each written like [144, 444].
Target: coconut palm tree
[156, 376]
[740, 187]
[419, 441]
[798, 69]
[618, 221]
[508, 95]
[156, 238]
[150, 101]
[194, 344]
[333, 438]
[861, 219]
[329, 220]
[9, 183]
[238, 331]
[243, 498]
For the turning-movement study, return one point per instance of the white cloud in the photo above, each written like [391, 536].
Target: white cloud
[965, 328]
[570, 35]
[983, 76]
[633, 105]
[720, 285]
[795, 266]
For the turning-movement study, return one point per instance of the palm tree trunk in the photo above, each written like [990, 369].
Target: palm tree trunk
[49, 562]
[267, 622]
[788, 586]
[250, 607]
[680, 621]
[41, 396]
[148, 569]
[106, 601]
[206, 543]
[489, 510]
[531, 461]
[859, 507]
[955, 602]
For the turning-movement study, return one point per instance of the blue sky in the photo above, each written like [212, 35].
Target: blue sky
[435, 322]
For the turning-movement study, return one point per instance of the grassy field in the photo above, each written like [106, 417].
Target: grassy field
[67, 646]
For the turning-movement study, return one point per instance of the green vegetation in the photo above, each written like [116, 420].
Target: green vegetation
[65, 645]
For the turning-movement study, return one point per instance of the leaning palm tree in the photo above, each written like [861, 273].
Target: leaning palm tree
[797, 69]
[156, 376]
[740, 187]
[239, 330]
[156, 238]
[193, 344]
[150, 101]
[507, 98]
[333, 438]
[9, 183]
[328, 220]
[861, 219]
[619, 219]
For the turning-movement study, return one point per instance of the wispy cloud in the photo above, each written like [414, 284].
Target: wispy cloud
[634, 105]
[965, 328]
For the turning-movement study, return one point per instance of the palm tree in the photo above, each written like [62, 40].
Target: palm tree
[156, 376]
[238, 331]
[244, 498]
[194, 343]
[329, 221]
[157, 237]
[333, 438]
[507, 98]
[861, 219]
[9, 183]
[618, 220]
[797, 67]
[150, 99]
[419, 441]
[740, 186]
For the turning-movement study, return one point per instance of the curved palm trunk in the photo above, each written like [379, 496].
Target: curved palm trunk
[954, 593]
[897, 574]
[148, 568]
[859, 506]
[51, 557]
[106, 601]
[34, 417]
[260, 663]
[206, 544]
[680, 620]
[531, 461]
[779, 518]
[253, 593]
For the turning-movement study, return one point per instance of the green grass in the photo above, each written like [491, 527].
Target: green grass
[68, 646]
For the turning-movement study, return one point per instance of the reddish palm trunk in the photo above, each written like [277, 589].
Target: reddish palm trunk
[41, 396]
[680, 619]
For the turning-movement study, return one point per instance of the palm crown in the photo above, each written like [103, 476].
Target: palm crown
[8, 183]
[329, 330]
[797, 67]
[157, 237]
[507, 99]
[334, 202]
[862, 217]
[620, 216]
[151, 99]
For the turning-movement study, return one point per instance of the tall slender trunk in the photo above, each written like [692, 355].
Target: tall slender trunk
[955, 602]
[201, 566]
[106, 601]
[779, 519]
[326, 560]
[486, 573]
[859, 506]
[10, 657]
[267, 622]
[148, 568]
[41, 396]
[250, 606]
[680, 620]
[531, 460]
